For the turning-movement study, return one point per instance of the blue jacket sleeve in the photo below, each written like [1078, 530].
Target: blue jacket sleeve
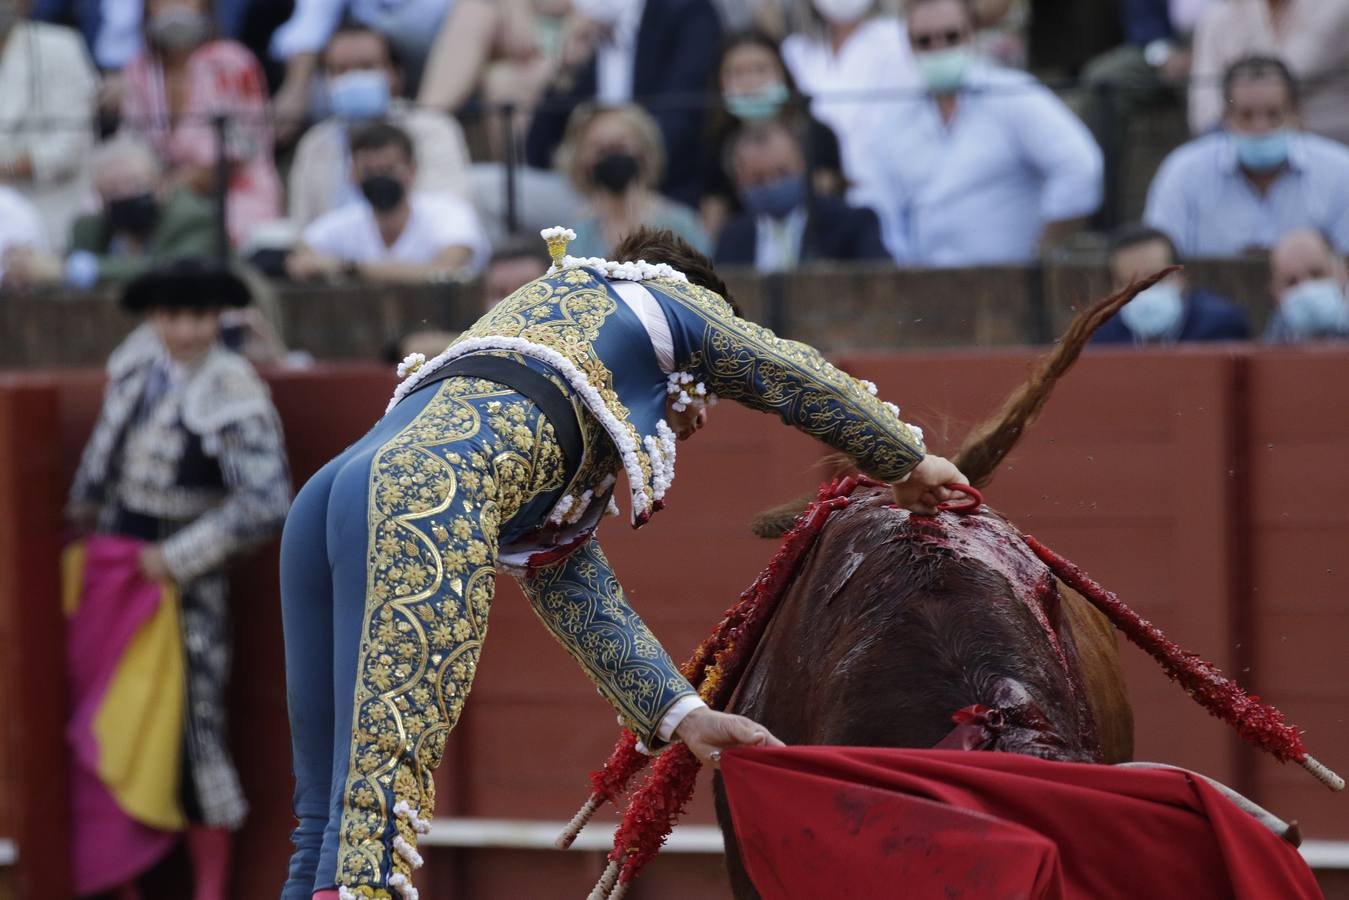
[581, 602]
[739, 360]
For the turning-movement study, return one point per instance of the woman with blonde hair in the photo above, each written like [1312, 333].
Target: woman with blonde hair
[614, 157]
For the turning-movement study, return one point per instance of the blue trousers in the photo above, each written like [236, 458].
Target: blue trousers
[387, 573]
[388, 566]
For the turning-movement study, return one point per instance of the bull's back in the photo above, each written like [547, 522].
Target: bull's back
[895, 622]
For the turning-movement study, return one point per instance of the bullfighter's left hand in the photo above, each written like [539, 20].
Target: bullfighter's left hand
[707, 732]
[926, 487]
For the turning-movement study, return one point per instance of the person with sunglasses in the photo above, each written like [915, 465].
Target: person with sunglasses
[981, 165]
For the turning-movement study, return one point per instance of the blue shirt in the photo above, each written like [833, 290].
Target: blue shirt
[981, 189]
[1202, 199]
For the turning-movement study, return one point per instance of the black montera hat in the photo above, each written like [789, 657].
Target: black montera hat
[185, 284]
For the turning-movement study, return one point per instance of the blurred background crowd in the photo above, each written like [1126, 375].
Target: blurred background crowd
[416, 141]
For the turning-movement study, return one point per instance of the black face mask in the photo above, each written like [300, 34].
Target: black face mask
[136, 215]
[384, 192]
[615, 171]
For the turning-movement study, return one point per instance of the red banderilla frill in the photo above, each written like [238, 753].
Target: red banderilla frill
[1259, 723]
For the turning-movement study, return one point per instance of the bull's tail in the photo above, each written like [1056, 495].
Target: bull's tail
[989, 444]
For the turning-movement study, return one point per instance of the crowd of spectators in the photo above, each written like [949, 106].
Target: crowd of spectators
[376, 141]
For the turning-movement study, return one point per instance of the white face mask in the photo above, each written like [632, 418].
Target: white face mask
[606, 12]
[1155, 312]
[843, 12]
[1315, 307]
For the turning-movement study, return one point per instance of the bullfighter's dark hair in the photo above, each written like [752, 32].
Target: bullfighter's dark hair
[659, 245]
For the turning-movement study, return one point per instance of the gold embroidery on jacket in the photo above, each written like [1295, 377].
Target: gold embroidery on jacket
[566, 315]
[582, 603]
[747, 363]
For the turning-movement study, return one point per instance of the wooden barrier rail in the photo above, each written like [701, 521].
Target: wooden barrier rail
[837, 309]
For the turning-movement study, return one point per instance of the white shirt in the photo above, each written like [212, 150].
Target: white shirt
[872, 69]
[20, 225]
[777, 242]
[410, 24]
[1203, 201]
[616, 58]
[980, 190]
[438, 221]
[48, 91]
[652, 317]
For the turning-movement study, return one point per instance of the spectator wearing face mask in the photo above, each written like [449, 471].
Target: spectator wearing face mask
[782, 226]
[47, 92]
[660, 53]
[1171, 311]
[1311, 36]
[144, 221]
[614, 158]
[394, 234]
[851, 61]
[1310, 283]
[986, 166]
[755, 87]
[176, 87]
[1239, 189]
[364, 81]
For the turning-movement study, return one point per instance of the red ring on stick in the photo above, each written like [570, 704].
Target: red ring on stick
[974, 501]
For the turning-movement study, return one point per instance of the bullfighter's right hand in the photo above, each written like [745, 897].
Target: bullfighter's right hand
[707, 732]
[926, 487]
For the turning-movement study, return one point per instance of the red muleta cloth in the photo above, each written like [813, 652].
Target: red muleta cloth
[830, 822]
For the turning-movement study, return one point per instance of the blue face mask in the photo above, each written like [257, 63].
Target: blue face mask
[759, 105]
[360, 94]
[945, 70]
[1156, 312]
[775, 199]
[1315, 308]
[1261, 152]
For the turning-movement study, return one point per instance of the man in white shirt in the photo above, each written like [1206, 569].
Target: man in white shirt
[393, 234]
[364, 81]
[1243, 188]
[988, 167]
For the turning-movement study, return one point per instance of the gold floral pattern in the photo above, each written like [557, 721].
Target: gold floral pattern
[565, 314]
[747, 363]
[581, 602]
[473, 456]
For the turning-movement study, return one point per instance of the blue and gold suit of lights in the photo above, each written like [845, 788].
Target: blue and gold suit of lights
[389, 557]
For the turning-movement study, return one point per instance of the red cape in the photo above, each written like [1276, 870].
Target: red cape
[830, 822]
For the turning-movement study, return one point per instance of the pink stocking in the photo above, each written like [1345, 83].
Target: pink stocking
[209, 849]
[330, 894]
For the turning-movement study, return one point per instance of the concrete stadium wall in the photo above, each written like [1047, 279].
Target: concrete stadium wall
[838, 310]
[1206, 487]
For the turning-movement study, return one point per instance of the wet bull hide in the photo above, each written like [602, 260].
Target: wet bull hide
[895, 622]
